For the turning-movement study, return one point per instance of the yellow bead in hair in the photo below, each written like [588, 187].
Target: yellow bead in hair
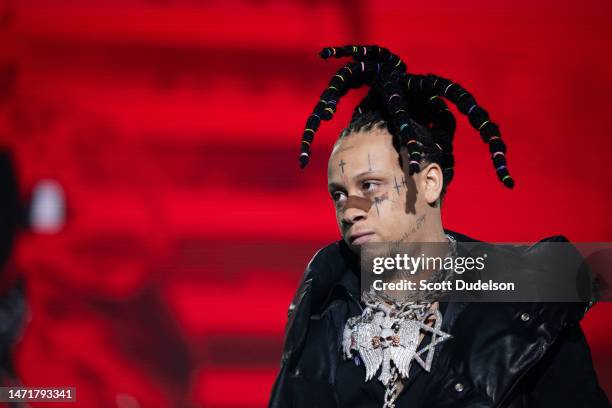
[483, 123]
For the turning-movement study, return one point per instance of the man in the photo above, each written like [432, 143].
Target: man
[387, 176]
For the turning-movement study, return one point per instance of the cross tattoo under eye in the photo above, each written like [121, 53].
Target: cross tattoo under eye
[342, 164]
[378, 200]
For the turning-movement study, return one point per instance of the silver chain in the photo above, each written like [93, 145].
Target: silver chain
[391, 393]
[416, 311]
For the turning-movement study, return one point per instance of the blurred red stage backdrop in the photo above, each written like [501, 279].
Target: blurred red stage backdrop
[174, 126]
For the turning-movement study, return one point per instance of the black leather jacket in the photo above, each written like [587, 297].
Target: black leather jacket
[507, 355]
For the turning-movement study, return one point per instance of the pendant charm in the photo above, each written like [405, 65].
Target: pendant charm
[387, 338]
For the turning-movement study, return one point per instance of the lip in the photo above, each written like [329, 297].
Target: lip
[359, 237]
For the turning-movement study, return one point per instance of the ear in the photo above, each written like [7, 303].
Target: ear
[431, 182]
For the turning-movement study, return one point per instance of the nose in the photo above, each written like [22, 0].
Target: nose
[352, 215]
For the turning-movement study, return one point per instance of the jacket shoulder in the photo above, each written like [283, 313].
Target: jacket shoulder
[318, 262]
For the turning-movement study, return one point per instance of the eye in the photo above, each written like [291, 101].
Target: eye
[369, 186]
[338, 196]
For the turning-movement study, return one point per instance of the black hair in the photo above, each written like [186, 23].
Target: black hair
[410, 106]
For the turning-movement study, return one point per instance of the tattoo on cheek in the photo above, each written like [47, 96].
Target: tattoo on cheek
[380, 199]
[397, 186]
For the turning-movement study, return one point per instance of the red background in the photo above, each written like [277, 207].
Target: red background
[174, 127]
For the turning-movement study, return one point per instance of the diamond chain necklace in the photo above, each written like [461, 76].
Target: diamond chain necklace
[387, 336]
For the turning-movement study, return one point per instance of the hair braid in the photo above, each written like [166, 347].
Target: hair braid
[440, 119]
[403, 124]
[412, 106]
[365, 53]
[353, 74]
[479, 119]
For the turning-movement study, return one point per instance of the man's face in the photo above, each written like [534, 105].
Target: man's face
[365, 166]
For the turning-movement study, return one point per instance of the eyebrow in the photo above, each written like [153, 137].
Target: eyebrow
[363, 173]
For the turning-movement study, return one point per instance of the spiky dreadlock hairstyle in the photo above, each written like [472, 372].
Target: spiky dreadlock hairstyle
[410, 106]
